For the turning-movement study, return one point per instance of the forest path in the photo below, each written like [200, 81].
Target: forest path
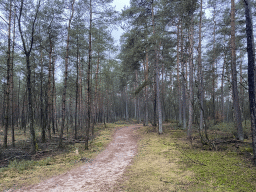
[102, 173]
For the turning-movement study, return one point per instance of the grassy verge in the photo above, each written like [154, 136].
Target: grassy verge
[156, 167]
[169, 162]
[24, 173]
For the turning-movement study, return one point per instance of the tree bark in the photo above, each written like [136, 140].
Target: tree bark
[213, 69]
[251, 72]
[236, 105]
[12, 83]
[41, 99]
[49, 90]
[27, 52]
[178, 74]
[191, 81]
[183, 82]
[146, 91]
[8, 78]
[89, 83]
[200, 72]
[65, 79]
[77, 89]
[158, 103]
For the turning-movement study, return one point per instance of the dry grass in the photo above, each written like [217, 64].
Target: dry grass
[25, 173]
[169, 162]
[156, 167]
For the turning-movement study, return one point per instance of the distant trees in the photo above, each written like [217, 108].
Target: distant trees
[199, 69]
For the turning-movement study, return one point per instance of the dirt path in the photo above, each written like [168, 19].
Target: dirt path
[102, 173]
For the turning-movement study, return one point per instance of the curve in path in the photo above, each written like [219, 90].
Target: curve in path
[102, 173]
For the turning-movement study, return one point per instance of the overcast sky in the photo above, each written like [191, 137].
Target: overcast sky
[119, 4]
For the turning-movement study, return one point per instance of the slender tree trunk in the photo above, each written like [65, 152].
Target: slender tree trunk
[12, 84]
[236, 105]
[222, 87]
[53, 99]
[241, 88]
[251, 72]
[146, 90]
[159, 108]
[213, 69]
[77, 89]
[30, 106]
[183, 82]
[96, 88]
[88, 83]
[18, 111]
[178, 74]
[80, 102]
[200, 72]
[191, 80]
[126, 105]
[27, 52]
[8, 77]
[65, 80]
[41, 100]
[135, 87]
[49, 91]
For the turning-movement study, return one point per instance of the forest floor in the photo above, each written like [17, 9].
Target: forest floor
[98, 174]
[137, 158]
[171, 162]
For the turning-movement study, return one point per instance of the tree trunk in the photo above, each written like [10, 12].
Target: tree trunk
[88, 83]
[77, 90]
[183, 82]
[27, 52]
[30, 106]
[222, 88]
[213, 69]
[251, 72]
[234, 76]
[191, 81]
[146, 91]
[65, 80]
[200, 72]
[49, 91]
[12, 85]
[8, 77]
[158, 103]
[178, 74]
[53, 99]
[41, 100]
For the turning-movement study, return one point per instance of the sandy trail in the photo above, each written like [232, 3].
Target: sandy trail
[102, 173]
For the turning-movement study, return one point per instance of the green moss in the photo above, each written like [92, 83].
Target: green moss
[224, 171]
[168, 163]
[156, 167]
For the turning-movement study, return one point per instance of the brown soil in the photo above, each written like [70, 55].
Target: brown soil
[102, 173]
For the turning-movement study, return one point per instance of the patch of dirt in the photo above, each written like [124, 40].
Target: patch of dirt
[102, 173]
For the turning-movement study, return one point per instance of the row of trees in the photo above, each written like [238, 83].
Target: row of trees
[42, 39]
[190, 57]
